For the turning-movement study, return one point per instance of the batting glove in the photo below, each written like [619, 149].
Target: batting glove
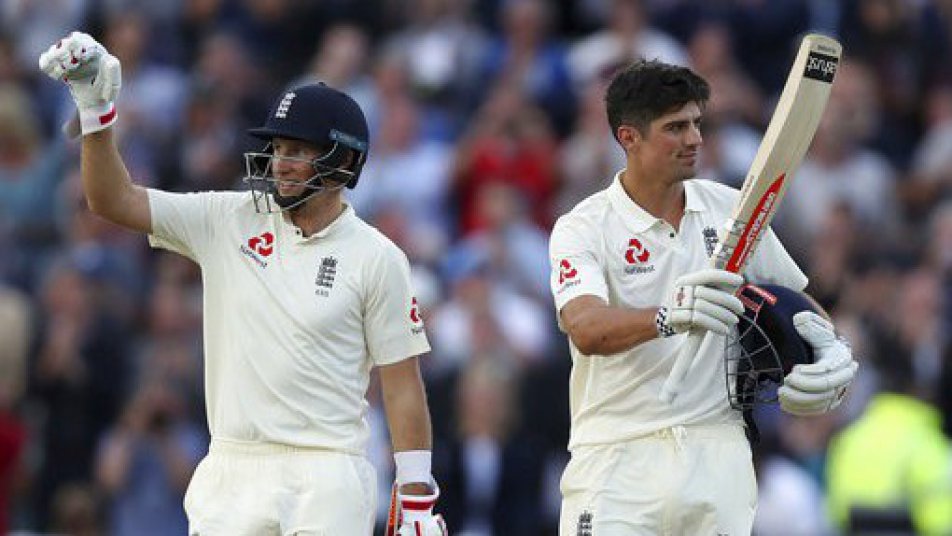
[821, 386]
[94, 77]
[704, 299]
[415, 515]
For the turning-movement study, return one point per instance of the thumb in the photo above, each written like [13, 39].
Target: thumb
[814, 329]
[110, 77]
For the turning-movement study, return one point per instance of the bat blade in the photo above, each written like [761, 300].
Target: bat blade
[785, 142]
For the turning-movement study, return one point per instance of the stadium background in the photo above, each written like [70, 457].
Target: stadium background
[487, 122]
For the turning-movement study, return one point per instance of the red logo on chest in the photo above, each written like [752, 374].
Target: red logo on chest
[636, 253]
[262, 244]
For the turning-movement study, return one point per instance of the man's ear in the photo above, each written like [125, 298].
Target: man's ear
[629, 137]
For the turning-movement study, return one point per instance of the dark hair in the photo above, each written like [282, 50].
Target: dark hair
[648, 89]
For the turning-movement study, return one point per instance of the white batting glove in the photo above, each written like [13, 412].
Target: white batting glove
[704, 299]
[819, 387]
[416, 516]
[93, 75]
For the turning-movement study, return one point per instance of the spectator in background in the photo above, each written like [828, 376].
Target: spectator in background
[512, 141]
[208, 142]
[627, 35]
[80, 373]
[443, 50]
[789, 500]
[145, 462]
[30, 172]
[16, 334]
[920, 327]
[840, 169]
[516, 248]
[340, 61]
[736, 110]
[493, 469]
[483, 316]
[154, 95]
[526, 57]
[76, 510]
[930, 172]
[408, 172]
[588, 151]
[892, 466]
[901, 42]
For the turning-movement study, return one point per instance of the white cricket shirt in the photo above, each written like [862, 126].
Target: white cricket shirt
[292, 325]
[609, 247]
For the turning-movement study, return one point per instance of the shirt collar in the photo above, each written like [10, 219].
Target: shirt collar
[345, 216]
[640, 219]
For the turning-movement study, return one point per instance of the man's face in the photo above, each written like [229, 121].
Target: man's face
[669, 151]
[292, 164]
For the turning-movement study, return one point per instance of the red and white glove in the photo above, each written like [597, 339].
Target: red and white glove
[412, 515]
[821, 386]
[703, 299]
[94, 77]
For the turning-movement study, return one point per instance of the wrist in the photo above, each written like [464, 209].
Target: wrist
[662, 323]
[413, 467]
[93, 118]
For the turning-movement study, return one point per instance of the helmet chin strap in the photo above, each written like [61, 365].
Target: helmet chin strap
[294, 203]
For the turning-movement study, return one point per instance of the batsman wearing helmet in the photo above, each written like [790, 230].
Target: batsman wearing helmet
[629, 279]
[301, 300]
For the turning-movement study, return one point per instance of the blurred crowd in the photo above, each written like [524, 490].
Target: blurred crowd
[487, 122]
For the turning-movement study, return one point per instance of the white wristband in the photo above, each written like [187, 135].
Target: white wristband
[413, 466]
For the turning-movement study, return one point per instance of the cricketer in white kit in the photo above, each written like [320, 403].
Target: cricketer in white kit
[629, 279]
[301, 300]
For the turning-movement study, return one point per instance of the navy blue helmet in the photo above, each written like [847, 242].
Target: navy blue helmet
[766, 346]
[321, 115]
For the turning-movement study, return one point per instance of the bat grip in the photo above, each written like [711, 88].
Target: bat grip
[682, 364]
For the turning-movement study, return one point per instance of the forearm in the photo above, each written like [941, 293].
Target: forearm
[408, 418]
[607, 330]
[107, 185]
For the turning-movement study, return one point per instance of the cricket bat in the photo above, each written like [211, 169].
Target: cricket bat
[788, 136]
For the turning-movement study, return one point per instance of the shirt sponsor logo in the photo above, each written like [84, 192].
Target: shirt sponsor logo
[568, 275]
[415, 317]
[636, 255]
[258, 248]
[325, 276]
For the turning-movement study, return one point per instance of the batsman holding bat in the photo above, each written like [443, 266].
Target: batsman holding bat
[301, 300]
[630, 277]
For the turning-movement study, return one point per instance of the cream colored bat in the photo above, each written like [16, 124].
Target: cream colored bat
[788, 136]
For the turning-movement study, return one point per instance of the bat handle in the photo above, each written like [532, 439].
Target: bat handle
[682, 364]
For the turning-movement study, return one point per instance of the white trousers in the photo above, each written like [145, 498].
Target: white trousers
[683, 480]
[265, 489]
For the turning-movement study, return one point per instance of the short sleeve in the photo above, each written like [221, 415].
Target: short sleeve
[772, 264]
[393, 326]
[181, 222]
[575, 267]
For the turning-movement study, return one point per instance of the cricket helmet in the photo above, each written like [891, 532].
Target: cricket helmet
[321, 115]
[765, 346]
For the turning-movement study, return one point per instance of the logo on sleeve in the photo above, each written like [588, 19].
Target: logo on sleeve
[415, 317]
[566, 271]
[568, 276]
[636, 255]
[258, 248]
[325, 276]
